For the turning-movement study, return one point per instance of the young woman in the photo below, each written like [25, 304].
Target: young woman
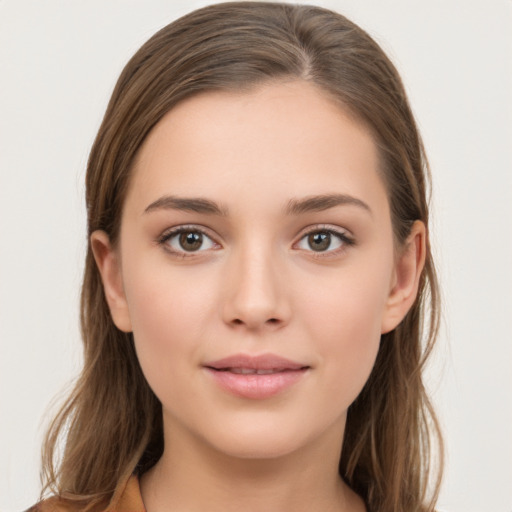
[256, 279]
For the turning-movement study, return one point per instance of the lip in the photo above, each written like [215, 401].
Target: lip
[255, 377]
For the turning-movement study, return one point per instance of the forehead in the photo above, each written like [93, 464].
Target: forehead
[289, 137]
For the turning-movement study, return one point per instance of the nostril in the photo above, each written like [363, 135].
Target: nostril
[272, 321]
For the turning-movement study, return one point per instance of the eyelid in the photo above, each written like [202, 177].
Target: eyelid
[343, 234]
[185, 228]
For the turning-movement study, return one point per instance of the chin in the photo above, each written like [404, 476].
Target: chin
[267, 438]
[258, 448]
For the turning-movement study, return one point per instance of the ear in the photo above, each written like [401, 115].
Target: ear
[406, 277]
[109, 266]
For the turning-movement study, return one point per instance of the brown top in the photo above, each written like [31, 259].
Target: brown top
[129, 500]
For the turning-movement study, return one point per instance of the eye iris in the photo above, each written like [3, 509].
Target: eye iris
[319, 241]
[191, 241]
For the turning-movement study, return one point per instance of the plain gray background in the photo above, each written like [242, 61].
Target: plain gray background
[58, 63]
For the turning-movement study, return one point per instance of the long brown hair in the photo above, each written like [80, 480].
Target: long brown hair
[112, 422]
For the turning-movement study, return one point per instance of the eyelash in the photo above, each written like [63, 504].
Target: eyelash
[171, 233]
[343, 238]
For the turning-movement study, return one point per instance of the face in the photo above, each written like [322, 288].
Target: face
[256, 268]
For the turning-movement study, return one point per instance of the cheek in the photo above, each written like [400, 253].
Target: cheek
[345, 320]
[169, 312]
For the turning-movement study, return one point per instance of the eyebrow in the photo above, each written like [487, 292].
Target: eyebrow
[323, 202]
[316, 203]
[191, 204]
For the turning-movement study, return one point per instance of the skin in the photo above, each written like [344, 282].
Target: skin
[256, 286]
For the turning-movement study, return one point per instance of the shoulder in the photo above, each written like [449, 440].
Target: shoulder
[55, 504]
[126, 499]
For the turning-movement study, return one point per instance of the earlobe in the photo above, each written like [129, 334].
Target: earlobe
[408, 270]
[109, 266]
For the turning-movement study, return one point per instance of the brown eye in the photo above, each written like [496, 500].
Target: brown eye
[184, 240]
[324, 241]
[191, 240]
[319, 241]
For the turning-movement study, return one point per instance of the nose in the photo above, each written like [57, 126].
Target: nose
[256, 291]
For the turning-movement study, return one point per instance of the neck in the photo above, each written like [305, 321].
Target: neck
[192, 476]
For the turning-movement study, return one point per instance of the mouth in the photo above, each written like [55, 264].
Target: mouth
[256, 377]
[252, 371]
